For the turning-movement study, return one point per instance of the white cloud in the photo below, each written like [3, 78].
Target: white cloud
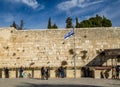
[112, 12]
[31, 3]
[86, 3]
[67, 5]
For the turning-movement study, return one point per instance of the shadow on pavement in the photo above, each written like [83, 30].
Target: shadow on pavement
[115, 84]
[54, 85]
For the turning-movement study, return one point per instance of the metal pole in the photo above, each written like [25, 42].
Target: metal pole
[74, 55]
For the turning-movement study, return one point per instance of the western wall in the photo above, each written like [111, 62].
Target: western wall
[37, 48]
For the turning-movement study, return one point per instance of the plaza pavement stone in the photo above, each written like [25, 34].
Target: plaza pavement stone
[59, 82]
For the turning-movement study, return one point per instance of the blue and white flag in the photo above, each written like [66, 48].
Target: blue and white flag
[69, 34]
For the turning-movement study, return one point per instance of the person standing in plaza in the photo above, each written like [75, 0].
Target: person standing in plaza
[117, 72]
[42, 73]
[6, 72]
[102, 74]
[114, 73]
[21, 72]
[46, 73]
[57, 73]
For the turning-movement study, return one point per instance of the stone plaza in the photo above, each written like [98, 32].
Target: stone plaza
[61, 82]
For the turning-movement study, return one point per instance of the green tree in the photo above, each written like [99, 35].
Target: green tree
[49, 24]
[69, 22]
[106, 22]
[97, 21]
[14, 25]
[54, 26]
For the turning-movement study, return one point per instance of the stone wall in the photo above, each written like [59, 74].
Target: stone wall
[37, 48]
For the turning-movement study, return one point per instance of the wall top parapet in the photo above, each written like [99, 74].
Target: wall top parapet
[60, 29]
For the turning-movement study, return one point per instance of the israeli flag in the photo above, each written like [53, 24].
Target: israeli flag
[69, 34]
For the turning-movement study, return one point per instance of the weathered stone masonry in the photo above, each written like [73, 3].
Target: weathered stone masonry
[37, 48]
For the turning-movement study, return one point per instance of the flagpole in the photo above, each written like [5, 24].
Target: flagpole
[66, 36]
[74, 55]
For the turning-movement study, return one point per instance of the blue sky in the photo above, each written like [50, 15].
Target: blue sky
[35, 13]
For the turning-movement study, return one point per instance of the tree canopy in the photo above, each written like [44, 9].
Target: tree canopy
[50, 26]
[13, 25]
[69, 22]
[18, 27]
[97, 21]
[49, 23]
[54, 26]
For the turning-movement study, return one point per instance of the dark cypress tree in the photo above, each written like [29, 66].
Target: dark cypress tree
[77, 23]
[54, 26]
[14, 25]
[49, 24]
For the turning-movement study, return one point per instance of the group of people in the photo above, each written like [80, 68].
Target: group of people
[115, 72]
[60, 72]
[22, 74]
[45, 73]
[104, 74]
[87, 72]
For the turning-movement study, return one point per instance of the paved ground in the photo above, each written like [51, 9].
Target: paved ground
[82, 82]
